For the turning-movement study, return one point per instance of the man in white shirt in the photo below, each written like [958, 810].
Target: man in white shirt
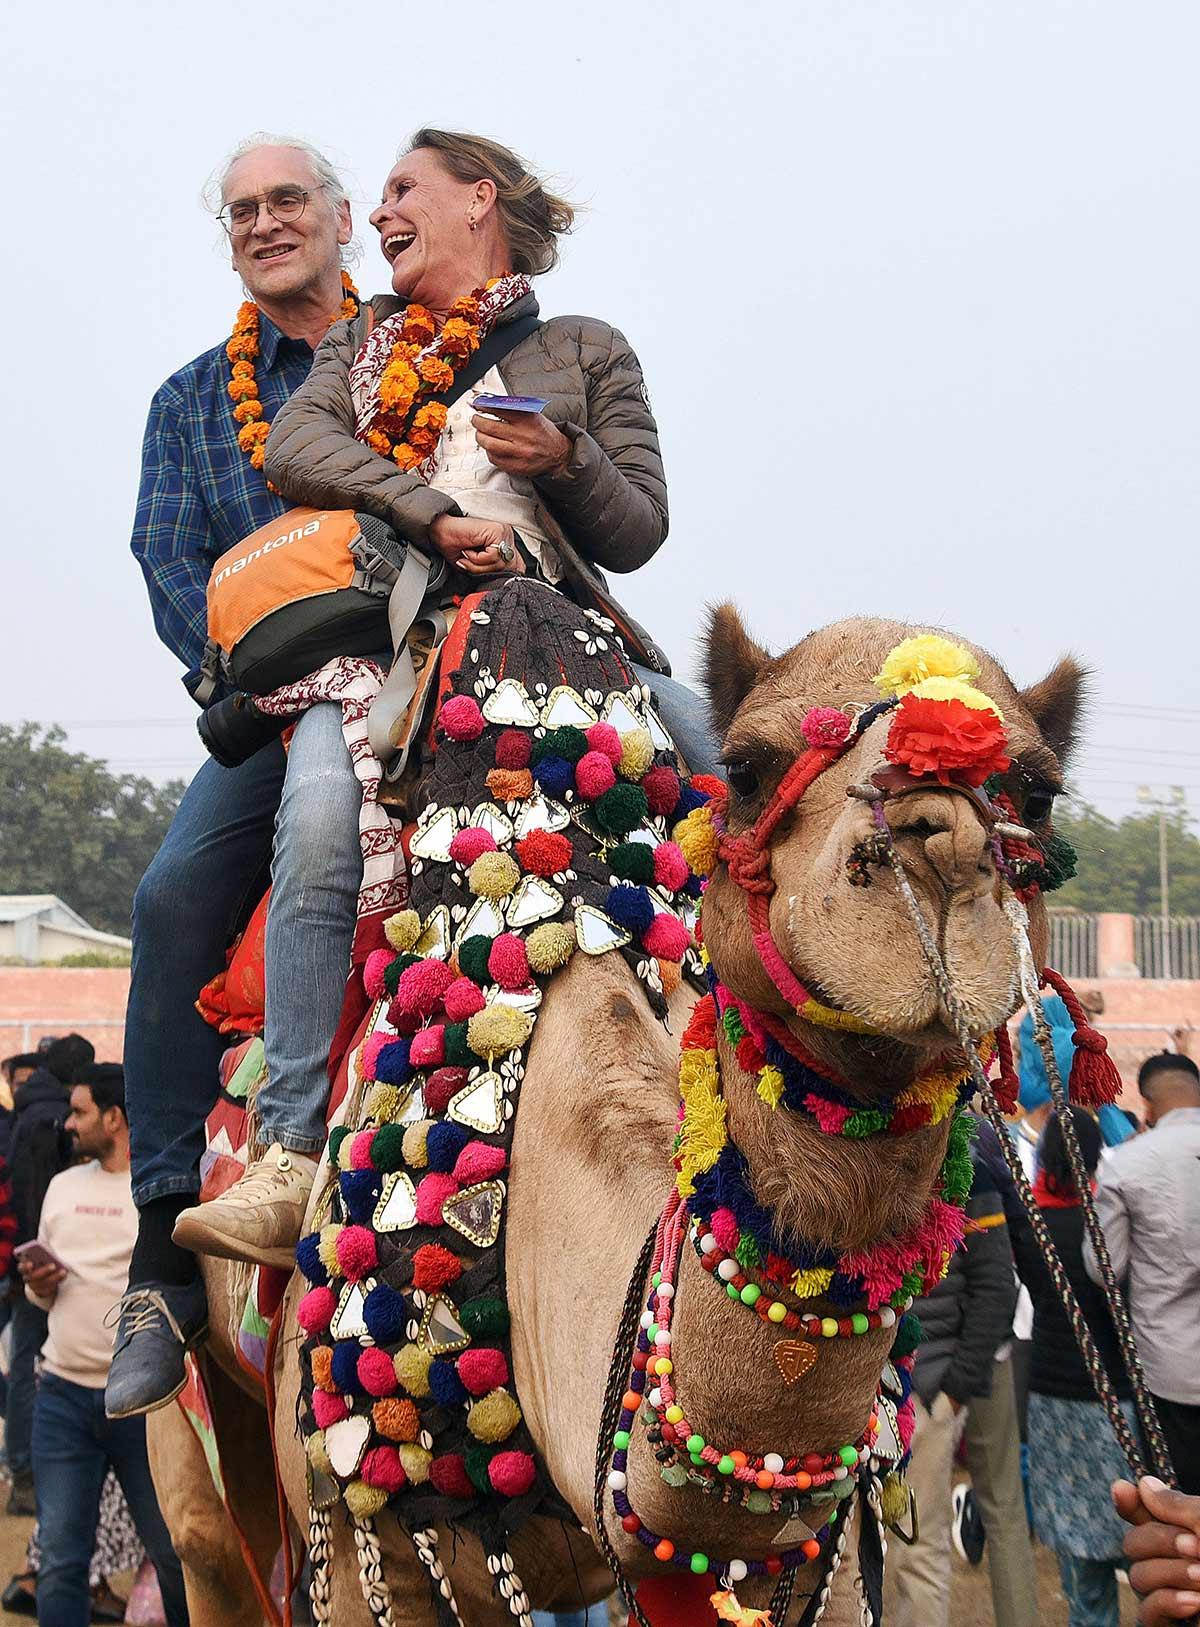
[87, 1229]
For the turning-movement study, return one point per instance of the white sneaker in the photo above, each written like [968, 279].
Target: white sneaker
[259, 1218]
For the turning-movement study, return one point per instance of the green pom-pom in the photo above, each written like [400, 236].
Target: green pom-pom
[747, 1253]
[1061, 862]
[566, 742]
[386, 1153]
[868, 1121]
[731, 1022]
[912, 1282]
[336, 1137]
[633, 861]
[477, 1457]
[473, 958]
[393, 972]
[621, 808]
[957, 1169]
[484, 1318]
[909, 1334]
[458, 1053]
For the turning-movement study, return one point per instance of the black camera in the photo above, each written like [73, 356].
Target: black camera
[235, 728]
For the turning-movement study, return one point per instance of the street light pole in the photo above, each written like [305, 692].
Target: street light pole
[1173, 801]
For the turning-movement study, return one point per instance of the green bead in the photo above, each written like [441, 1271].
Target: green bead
[758, 1502]
[751, 1293]
[656, 1279]
[849, 1456]
[859, 1322]
[695, 1443]
[732, 1291]
[697, 1458]
[621, 1440]
[652, 1332]
[699, 1563]
[726, 1465]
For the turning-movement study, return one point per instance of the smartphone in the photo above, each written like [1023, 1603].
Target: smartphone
[39, 1255]
[510, 403]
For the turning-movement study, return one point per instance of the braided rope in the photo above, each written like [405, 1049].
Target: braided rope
[375, 1591]
[319, 1555]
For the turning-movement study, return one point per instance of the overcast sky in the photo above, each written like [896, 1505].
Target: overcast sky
[913, 284]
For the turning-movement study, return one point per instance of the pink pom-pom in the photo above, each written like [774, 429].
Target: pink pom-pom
[512, 1473]
[357, 1253]
[666, 937]
[725, 1229]
[328, 1409]
[360, 1150]
[369, 1055]
[376, 1372]
[479, 1161]
[604, 738]
[382, 1467]
[422, 986]
[440, 1086]
[467, 845]
[482, 1370]
[462, 1000]
[661, 786]
[825, 726]
[428, 1047]
[508, 962]
[378, 962]
[513, 749]
[315, 1311]
[431, 1194]
[461, 718]
[594, 775]
[670, 867]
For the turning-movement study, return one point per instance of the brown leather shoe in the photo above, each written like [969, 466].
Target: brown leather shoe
[258, 1219]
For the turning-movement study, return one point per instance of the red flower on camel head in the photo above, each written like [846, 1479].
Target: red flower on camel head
[943, 727]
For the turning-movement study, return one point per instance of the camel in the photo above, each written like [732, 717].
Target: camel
[591, 1157]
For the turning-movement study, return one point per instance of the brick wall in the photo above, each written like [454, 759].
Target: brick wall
[37, 1000]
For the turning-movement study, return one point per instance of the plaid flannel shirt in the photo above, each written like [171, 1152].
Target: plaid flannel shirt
[199, 494]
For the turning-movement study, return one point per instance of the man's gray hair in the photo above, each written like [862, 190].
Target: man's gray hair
[324, 174]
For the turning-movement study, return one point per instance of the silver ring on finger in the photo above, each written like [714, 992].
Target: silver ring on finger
[506, 551]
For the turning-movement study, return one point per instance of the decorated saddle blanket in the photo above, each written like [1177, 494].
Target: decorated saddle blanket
[558, 824]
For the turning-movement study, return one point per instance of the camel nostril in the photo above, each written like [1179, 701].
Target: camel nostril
[924, 828]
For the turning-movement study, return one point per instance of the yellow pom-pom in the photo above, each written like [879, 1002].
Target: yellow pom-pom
[327, 1247]
[498, 1028]
[363, 1500]
[770, 1085]
[318, 1456]
[382, 1104]
[416, 1461]
[697, 840]
[637, 753]
[494, 1417]
[955, 689]
[413, 1145]
[402, 930]
[893, 1501]
[412, 1369]
[550, 946]
[494, 875]
[343, 1157]
[810, 1284]
[926, 655]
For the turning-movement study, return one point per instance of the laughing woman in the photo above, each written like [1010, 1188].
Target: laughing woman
[562, 493]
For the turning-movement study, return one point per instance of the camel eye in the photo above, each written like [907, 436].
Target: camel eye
[742, 776]
[1039, 805]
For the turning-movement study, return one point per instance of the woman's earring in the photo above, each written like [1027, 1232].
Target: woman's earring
[471, 222]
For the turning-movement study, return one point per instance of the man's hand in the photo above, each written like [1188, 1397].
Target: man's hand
[476, 546]
[42, 1280]
[1164, 1546]
[522, 443]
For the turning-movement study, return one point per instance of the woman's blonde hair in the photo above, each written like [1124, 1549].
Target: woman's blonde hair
[533, 218]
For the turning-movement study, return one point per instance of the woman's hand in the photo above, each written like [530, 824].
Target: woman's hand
[1164, 1546]
[522, 443]
[478, 547]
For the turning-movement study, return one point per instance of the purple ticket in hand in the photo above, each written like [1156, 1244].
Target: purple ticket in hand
[509, 403]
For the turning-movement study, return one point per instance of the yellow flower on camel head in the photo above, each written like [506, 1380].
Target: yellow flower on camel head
[925, 655]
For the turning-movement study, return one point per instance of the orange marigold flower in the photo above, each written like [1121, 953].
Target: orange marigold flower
[246, 411]
[424, 441]
[467, 306]
[945, 738]
[405, 457]
[379, 442]
[257, 459]
[252, 435]
[418, 324]
[438, 374]
[432, 415]
[397, 388]
[241, 389]
[243, 370]
[459, 338]
[242, 348]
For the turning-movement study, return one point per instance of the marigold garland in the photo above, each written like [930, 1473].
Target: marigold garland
[242, 350]
[408, 425]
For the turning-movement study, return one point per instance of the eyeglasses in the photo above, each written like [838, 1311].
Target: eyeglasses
[282, 203]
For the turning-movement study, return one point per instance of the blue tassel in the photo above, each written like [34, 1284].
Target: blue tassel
[445, 1386]
[345, 1366]
[391, 1065]
[443, 1144]
[630, 907]
[309, 1260]
[386, 1313]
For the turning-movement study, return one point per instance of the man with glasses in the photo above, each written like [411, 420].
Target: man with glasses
[202, 490]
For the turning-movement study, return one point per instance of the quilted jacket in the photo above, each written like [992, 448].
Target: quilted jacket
[607, 510]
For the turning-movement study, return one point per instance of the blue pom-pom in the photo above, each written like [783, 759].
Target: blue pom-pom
[630, 906]
[688, 799]
[445, 1386]
[360, 1193]
[555, 775]
[844, 1291]
[694, 886]
[309, 1260]
[386, 1314]
[443, 1144]
[391, 1065]
[345, 1366]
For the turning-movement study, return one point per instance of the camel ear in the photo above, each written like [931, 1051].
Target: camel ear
[1056, 704]
[733, 664]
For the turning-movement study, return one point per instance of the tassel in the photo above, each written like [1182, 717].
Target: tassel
[1007, 1086]
[1094, 1077]
[894, 1501]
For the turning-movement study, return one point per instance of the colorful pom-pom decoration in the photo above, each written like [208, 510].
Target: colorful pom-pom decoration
[493, 875]
[498, 1030]
[621, 809]
[423, 985]
[825, 726]
[637, 754]
[392, 1062]
[402, 930]
[666, 937]
[315, 1311]
[357, 1252]
[594, 775]
[432, 1192]
[512, 1473]
[442, 1084]
[508, 963]
[467, 845]
[473, 955]
[550, 946]
[512, 749]
[429, 1047]
[443, 1144]
[448, 1474]
[382, 1467]
[494, 1417]
[412, 1369]
[670, 867]
[555, 775]
[328, 1409]
[377, 963]
[461, 718]
[478, 1161]
[462, 1000]
[604, 738]
[483, 1370]
[435, 1267]
[630, 906]
[376, 1373]
[661, 786]
[544, 852]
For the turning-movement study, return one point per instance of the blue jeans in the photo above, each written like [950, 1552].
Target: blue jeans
[74, 1446]
[198, 891]
[685, 715]
[1090, 1586]
[575, 1618]
[28, 1337]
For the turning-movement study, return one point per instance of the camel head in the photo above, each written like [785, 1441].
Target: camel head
[854, 947]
